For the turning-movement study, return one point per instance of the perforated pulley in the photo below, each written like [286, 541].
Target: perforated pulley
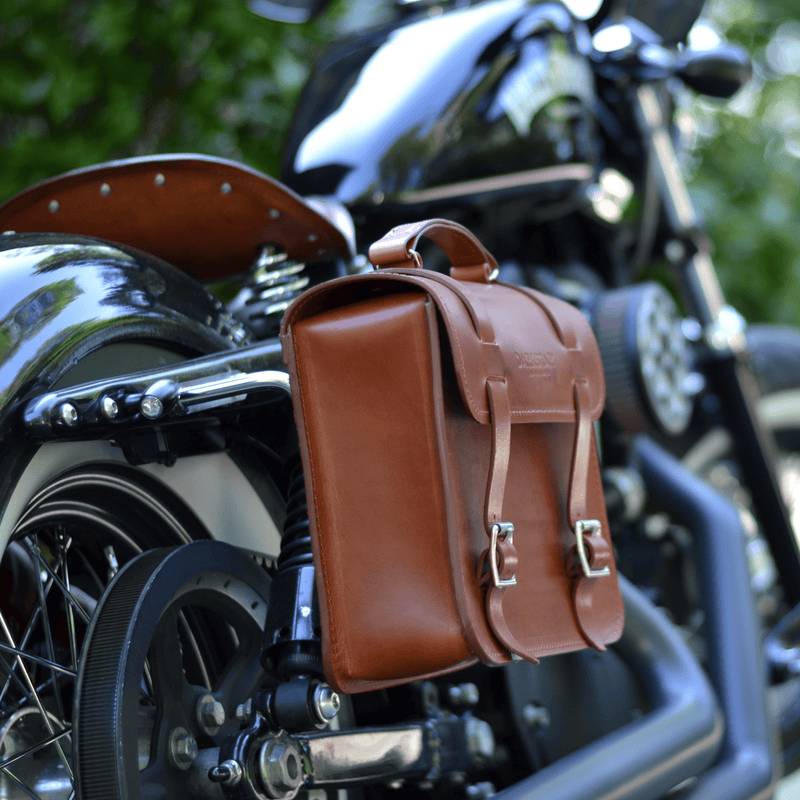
[646, 359]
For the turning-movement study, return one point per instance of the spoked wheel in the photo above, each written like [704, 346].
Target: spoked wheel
[174, 645]
[69, 542]
[65, 548]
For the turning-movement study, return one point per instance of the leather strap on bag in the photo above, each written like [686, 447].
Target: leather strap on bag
[470, 260]
[590, 556]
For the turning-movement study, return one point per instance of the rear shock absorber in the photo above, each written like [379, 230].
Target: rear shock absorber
[292, 635]
[274, 281]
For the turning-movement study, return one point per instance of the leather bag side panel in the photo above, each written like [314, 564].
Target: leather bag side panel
[363, 376]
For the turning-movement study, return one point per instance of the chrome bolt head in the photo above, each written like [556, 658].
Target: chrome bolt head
[244, 711]
[109, 407]
[229, 772]
[463, 694]
[68, 414]
[480, 739]
[479, 791]
[151, 407]
[326, 703]
[182, 748]
[210, 714]
[536, 717]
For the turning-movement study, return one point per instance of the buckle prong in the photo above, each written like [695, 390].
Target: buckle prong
[593, 528]
[506, 530]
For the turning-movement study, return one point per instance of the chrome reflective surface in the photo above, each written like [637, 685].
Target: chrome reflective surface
[192, 386]
[346, 757]
[65, 295]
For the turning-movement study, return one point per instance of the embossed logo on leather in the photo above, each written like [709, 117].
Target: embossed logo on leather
[536, 365]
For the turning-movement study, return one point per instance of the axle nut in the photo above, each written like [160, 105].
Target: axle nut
[280, 769]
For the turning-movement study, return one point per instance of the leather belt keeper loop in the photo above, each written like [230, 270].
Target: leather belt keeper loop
[579, 470]
[501, 450]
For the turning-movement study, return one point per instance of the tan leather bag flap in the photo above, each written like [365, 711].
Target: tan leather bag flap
[539, 345]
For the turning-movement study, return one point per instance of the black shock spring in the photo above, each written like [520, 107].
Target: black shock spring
[296, 539]
[292, 634]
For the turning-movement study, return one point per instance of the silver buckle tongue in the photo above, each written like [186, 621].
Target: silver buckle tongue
[592, 526]
[506, 530]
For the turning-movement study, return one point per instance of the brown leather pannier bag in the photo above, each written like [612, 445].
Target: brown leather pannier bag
[454, 494]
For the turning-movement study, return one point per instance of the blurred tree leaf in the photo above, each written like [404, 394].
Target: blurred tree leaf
[746, 176]
[83, 82]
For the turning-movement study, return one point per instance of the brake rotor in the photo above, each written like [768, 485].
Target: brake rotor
[172, 650]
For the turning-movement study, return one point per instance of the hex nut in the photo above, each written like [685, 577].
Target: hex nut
[244, 711]
[210, 714]
[280, 768]
[182, 748]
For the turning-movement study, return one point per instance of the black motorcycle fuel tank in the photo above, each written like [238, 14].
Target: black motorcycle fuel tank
[461, 106]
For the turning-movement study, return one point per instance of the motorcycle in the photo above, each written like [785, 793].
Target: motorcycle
[159, 631]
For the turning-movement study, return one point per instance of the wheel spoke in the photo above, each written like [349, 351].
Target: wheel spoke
[48, 635]
[19, 783]
[73, 603]
[34, 695]
[64, 543]
[42, 662]
[14, 679]
[52, 739]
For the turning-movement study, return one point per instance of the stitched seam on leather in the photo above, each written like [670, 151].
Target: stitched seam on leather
[437, 382]
[332, 637]
[442, 280]
[452, 330]
[420, 280]
[549, 313]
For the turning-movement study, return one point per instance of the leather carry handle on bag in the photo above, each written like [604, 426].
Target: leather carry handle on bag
[446, 430]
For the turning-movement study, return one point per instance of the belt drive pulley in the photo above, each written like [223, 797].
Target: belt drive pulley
[172, 700]
[171, 652]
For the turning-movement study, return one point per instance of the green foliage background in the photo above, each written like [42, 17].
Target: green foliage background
[83, 81]
[746, 170]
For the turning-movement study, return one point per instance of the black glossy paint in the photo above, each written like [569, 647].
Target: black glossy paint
[62, 297]
[492, 90]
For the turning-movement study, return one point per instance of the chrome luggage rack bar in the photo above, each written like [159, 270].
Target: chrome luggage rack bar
[245, 376]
